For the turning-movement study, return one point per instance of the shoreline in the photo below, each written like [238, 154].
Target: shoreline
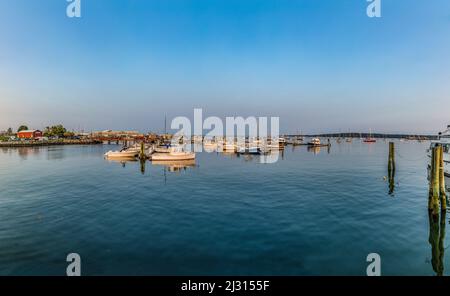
[19, 144]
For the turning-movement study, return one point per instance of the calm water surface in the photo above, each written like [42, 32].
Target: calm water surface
[311, 213]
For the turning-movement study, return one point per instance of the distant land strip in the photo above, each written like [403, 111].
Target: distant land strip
[48, 143]
[375, 135]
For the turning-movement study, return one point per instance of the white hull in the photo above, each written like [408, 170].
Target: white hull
[121, 154]
[162, 150]
[210, 147]
[173, 156]
[250, 150]
[274, 147]
[229, 148]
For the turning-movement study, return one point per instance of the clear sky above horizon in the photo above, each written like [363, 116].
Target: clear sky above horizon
[321, 65]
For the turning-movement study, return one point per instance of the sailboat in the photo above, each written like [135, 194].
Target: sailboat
[369, 139]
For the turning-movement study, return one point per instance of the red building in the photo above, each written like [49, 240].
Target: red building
[29, 134]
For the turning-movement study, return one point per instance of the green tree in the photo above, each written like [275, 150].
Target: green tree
[55, 131]
[59, 130]
[47, 132]
[22, 128]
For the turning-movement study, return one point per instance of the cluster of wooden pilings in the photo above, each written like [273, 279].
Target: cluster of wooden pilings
[437, 195]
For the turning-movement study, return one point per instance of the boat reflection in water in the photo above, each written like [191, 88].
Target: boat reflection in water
[436, 239]
[123, 160]
[175, 165]
[314, 149]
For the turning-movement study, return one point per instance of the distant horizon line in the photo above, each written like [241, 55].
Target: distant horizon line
[322, 134]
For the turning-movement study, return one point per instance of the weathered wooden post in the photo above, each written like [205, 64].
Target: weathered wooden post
[391, 162]
[391, 168]
[434, 181]
[142, 157]
[442, 179]
[142, 154]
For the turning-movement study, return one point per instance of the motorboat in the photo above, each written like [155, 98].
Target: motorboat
[297, 141]
[229, 147]
[173, 155]
[281, 141]
[249, 150]
[121, 154]
[314, 142]
[210, 146]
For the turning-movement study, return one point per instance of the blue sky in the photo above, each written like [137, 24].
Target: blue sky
[321, 65]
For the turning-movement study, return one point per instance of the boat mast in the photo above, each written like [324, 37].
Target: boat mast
[165, 124]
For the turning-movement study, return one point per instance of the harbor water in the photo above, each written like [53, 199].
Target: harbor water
[314, 212]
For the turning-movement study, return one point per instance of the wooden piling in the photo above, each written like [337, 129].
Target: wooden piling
[391, 168]
[430, 179]
[142, 157]
[434, 181]
[142, 154]
[391, 161]
[442, 179]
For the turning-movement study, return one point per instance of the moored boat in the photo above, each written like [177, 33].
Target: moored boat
[314, 142]
[174, 154]
[121, 154]
[229, 147]
[369, 139]
[249, 150]
[297, 141]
